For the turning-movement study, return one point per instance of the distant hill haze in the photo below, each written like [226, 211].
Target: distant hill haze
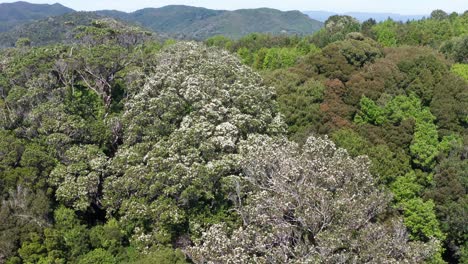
[178, 21]
[57, 29]
[201, 23]
[182, 22]
[13, 14]
[363, 16]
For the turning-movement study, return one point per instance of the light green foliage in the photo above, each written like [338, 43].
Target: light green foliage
[277, 58]
[304, 47]
[22, 163]
[247, 57]
[162, 255]
[420, 219]
[464, 253]
[430, 32]
[255, 41]
[219, 41]
[403, 107]
[108, 236]
[97, 256]
[461, 70]
[461, 24]
[69, 232]
[419, 215]
[23, 42]
[266, 52]
[397, 109]
[406, 187]
[370, 113]
[450, 142]
[63, 243]
[270, 59]
[32, 250]
[425, 144]
[259, 58]
[424, 147]
[386, 33]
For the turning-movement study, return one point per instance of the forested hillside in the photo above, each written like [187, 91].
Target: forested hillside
[188, 22]
[396, 92]
[17, 13]
[47, 24]
[363, 16]
[60, 29]
[349, 145]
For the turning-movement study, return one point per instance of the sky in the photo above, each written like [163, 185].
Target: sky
[406, 7]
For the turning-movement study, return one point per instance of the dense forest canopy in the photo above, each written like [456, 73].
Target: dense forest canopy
[346, 146]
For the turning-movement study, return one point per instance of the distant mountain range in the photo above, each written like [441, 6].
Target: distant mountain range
[48, 31]
[362, 16]
[200, 23]
[23, 19]
[184, 22]
[13, 14]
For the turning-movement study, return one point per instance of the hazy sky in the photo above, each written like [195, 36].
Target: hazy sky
[395, 6]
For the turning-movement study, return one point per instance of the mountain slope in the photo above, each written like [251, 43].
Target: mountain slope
[379, 17]
[66, 29]
[238, 23]
[13, 14]
[363, 16]
[200, 23]
[174, 18]
[49, 30]
[177, 21]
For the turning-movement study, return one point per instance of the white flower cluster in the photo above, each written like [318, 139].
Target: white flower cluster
[78, 179]
[313, 204]
[183, 127]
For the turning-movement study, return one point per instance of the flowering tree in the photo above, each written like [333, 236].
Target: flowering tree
[181, 132]
[313, 204]
[79, 176]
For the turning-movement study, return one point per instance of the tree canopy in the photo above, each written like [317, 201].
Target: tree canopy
[349, 145]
